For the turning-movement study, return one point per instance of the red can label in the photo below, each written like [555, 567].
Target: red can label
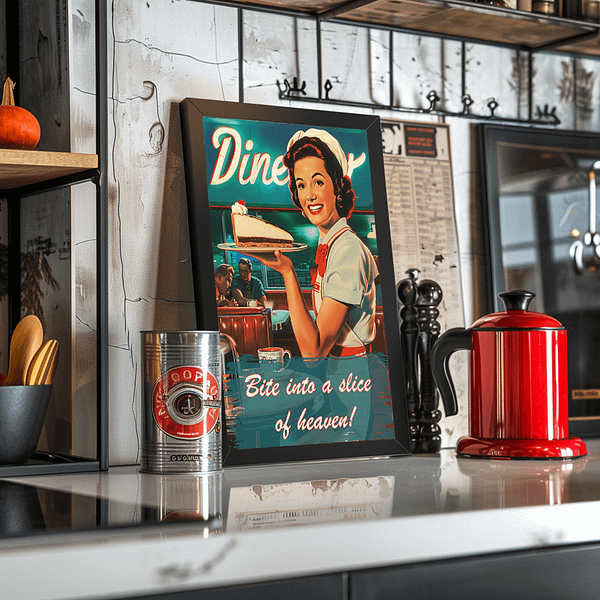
[183, 403]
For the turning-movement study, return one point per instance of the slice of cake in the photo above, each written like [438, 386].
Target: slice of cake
[249, 231]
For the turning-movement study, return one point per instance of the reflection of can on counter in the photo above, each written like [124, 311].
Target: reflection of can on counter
[181, 402]
[191, 497]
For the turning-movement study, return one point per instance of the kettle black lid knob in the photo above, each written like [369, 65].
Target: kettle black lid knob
[517, 299]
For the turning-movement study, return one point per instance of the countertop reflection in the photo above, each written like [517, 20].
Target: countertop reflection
[255, 524]
[274, 496]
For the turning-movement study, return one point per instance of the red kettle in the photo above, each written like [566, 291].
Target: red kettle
[518, 383]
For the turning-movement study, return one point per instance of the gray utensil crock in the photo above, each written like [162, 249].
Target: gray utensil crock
[22, 412]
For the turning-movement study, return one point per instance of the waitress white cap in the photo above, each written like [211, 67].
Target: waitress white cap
[326, 138]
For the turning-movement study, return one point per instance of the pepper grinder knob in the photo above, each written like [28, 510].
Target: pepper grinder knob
[407, 288]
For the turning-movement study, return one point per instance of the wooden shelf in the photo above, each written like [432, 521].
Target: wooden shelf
[589, 47]
[476, 22]
[20, 168]
[456, 19]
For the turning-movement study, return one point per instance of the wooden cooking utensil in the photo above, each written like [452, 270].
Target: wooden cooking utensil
[24, 343]
[43, 364]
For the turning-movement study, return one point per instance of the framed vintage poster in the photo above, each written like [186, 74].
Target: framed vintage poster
[311, 353]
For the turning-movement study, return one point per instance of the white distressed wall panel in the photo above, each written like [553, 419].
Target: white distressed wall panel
[278, 48]
[553, 86]
[588, 93]
[484, 83]
[348, 62]
[452, 93]
[155, 67]
[83, 229]
[379, 66]
[418, 70]
[425, 64]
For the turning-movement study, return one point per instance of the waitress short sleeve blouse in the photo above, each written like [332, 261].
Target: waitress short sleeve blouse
[350, 272]
[350, 278]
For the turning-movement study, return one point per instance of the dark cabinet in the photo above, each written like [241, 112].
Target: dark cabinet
[321, 587]
[544, 574]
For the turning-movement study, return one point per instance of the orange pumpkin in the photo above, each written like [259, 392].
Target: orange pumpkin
[19, 129]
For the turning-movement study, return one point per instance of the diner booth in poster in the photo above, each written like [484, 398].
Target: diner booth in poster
[253, 327]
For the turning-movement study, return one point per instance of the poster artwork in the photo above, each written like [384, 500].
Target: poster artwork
[335, 385]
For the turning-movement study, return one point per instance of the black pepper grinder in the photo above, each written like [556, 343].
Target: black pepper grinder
[429, 297]
[419, 330]
[409, 335]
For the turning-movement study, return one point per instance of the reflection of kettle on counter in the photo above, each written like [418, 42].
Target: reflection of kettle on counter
[500, 484]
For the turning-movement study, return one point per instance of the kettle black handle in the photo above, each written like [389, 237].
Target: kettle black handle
[448, 343]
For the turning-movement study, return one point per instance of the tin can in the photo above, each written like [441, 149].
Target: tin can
[182, 404]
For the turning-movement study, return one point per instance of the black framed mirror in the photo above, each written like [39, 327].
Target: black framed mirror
[539, 189]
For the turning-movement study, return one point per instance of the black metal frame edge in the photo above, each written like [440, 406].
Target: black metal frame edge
[101, 14]
[82, 466]
[52, 184]
[489, 180]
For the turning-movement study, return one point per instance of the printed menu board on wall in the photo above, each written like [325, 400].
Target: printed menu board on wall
[419, 182]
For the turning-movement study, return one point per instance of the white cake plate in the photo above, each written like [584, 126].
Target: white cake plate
[296, 247]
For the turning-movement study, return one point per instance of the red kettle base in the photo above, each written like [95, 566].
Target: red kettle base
[521, 448]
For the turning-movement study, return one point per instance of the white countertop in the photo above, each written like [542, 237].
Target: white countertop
[282, 521]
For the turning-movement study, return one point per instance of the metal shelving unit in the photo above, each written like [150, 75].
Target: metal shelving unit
[24, 173]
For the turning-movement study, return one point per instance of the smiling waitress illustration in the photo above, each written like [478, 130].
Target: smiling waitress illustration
[343, 292]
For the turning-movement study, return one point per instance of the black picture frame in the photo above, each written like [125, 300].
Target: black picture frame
[535, 189]
[270, 128]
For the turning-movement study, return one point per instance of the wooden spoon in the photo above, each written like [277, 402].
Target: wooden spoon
[43, 364]
[24, 343]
